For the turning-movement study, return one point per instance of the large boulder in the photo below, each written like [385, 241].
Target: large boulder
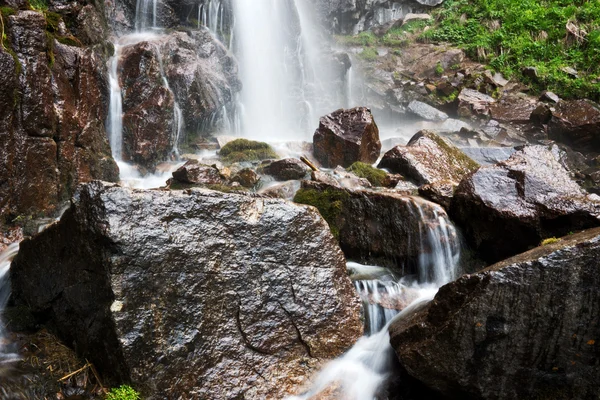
[192, 293]
[195, 173]
[347, 136]
[376, 227]
[526, 328]
[53, 104]
[576, 123]
[509, 207]
[428, 158]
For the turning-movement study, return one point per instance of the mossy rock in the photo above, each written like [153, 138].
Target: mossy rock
[375, 176]
[329, 202]
[243, 150]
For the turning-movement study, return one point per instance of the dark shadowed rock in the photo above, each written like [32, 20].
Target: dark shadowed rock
[377, 228]
[192, 293]
[576, 123]
[347, 136]
[286, 169]
[509, 207]
[428, 158]
[193, 172]
[526, 328]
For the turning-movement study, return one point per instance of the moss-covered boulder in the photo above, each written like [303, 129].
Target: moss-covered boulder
[376, 176]
[241, 150]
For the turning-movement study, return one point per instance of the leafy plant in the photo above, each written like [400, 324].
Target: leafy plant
[124, 392]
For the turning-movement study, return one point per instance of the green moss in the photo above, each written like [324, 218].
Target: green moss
[362, 39]
[329, 202]
[376, 176]
[52, 21]
[241, 150]
[50, 51]
[7, 11]
[123, 392]
[439, 69]
[70, 41]
[455, 154]
[38, 5]
[548, 241]
[369, 54]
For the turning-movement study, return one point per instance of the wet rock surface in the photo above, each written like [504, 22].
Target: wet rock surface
[53, 106]
[286, 169]
[193, 172]
[347, 136]
[524, 328]
[428, 158]
[507, 208]
[375, 228]
[192, 293]
[576, 123]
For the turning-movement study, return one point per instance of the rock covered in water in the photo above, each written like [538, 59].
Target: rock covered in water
[347, 136]
[524, 328]
[576, 123]
[53, 106]
[192, 293]
[427, 159]
[376, 228]
[506, 208]
[286, 169]
[193, 172]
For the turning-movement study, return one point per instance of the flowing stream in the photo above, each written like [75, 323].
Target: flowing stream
[6, 355]
[361, 373]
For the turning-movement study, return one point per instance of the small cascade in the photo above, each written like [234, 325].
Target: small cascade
[177, 113]
[146, 13]
[361, 373]
[6, 257]
[114, 123]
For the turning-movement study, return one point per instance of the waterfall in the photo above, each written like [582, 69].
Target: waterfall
[146, 11]
[115, 113]
[286, 69]
[177, 113]
[5, 259]
[363, 370]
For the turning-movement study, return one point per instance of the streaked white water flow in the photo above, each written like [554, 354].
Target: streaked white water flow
[361, 373]
[6, 258]
[146, 12]
[115, 112]
[287, 73]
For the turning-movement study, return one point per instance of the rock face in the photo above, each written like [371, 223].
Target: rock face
[428, 158]
[576, 123]
[347, 136]
[524, 328]
[506, 208]
[53, 102]
[286, 169]
[377, 228]
[190, 69]
[195, 294]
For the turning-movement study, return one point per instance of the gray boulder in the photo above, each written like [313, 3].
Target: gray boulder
[192, 293]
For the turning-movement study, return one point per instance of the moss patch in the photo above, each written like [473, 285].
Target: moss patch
[458, 158]
[376, 176]
[241, 150]
[329, 202]
[548, 241]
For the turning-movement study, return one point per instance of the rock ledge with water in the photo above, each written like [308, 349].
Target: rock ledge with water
[192, 293]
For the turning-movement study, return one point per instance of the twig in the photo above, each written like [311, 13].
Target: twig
[2, 37]
[310, 164]
[76, 372]
[95, 374]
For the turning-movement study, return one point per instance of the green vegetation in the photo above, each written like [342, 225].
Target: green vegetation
[241, 150]
[38, 5]
[439, 69]
[376, 176]
[548, 241]
[369, 54]
[124, 392]
[549, 35]
[329, 202]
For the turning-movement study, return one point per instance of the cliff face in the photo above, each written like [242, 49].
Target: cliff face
[53, 103]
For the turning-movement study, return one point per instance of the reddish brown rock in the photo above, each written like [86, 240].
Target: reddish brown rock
[347, 136]
[576, 123]
[193, 172]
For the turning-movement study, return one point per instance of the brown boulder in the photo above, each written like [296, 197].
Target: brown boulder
[192, 172]
[576, 123]
[347, 136]
[507, 208]
[286, 169]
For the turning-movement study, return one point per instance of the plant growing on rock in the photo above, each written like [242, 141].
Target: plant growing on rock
[241, 150]
[329, 202]
[123, 392]
[376, 176]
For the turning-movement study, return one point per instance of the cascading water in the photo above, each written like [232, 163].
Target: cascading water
[361, 373]
[289, 78]
[146, 13]
[6, 257]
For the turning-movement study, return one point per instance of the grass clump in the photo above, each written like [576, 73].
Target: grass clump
[548, 241]
[369, 54]
[38, 5]
[510, 35]
[376, 176]
[123, 392]
[329, 202]
[241, 150]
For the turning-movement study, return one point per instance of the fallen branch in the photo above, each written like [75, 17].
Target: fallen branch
[2, 31]
[86, 366]
[95, 374]
[309, 163]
